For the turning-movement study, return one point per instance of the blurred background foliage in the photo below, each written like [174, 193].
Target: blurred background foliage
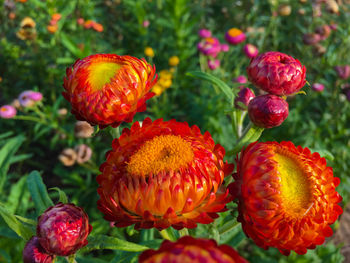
[319, 120]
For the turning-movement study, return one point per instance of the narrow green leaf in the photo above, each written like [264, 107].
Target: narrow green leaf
[22, 230]
[16, 195]
[38, 192]
[6, 134]
[107, 242]
[214, 80]
[62, 195]
[70, 45]
[26, 220]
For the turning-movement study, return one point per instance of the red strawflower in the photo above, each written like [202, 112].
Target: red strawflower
[63, 229]
[244, 96]
[190, 250]
[107, 89]
[163, 174]
[33, 252]
[268, 111]
[277, 73]
[286, 196]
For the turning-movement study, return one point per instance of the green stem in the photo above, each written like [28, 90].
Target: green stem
[71, 259]
[30, 118]
[165, 233]
[183, 232]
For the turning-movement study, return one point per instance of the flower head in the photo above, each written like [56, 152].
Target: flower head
[240, 79]
[234, 36]
[250, 50]
[268, 111]
[244, 96]
[318, 87]
[311, 39]
[213, 63]
[83, 152]
[145, 23]
[225, 47]
[63, 229]
[204, 33]
[174, 61]
[284, 10]
[107, 89]
[33, 252]
[277, 73]
[343, 71]
[149, 52]
[286, 196]
[7, 112]
[189, 249]
[209, 46]
[163, 174]
[28, 98]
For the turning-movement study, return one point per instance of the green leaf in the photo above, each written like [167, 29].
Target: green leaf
[107, 242]
[70, 45]
[7, 152]
[38, 192]
[26, 220]
[62, 195]
[22, 230]
[214, 80]
[16, 194]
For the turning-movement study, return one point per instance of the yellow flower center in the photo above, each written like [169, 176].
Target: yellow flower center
[100, 73]
[295, 185]
[162, 153]
[233, 32]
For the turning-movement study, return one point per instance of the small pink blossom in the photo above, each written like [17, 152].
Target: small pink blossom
[145, 23]
[250, 50]
[318, 87]
[240, 79]
[7, 112]
[204, 33]
[225, 47]
[213, 64]
[209, 46]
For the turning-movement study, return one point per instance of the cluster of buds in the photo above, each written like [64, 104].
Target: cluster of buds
[321, 33]
[277, 74]
[27, 29]
[164, 82]
[26, 99]
[80, 154]
[210, 46]
[61, 231]
[53, 27]
[90, 24]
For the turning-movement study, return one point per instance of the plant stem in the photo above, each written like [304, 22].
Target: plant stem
[183, 232]
[167, 235]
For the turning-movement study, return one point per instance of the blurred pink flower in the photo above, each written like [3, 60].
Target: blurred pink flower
[234, 36]
[240, 79]
[343, 71]
[318, 87]
[28, 98]
[311, 39]
[209, 46]
[225, 47]
[7, 112]
[145, 23]
[250, 50]
[204, 33]
[213, 64]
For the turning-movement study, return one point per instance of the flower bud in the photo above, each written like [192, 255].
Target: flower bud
[83, 129]
[84, 153]
[213, 64]
[324, 31]
[244, 96]
[343, 71]
[268, 111]
[145, 23]
[68, 157]
[240, 79]
[204, 33]
[311, 39]
[33, 252]
[62, 112]
[7, 112]
[277, 73]
[318, 87]
[63, 229]
[235, 36]
[174, 61]
[250, 50]
[284, 10]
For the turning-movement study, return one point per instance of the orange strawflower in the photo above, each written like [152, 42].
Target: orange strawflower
[190, 250]
[97, 27]
[286, 196]
[107, 89]
[163, 174]
[56, 16]
[52, 29]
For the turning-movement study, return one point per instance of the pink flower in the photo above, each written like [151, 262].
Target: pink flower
[225, 47]
[204, 33]
[240, 79]
[209, 46]
[250, 50]
[145, 23]
[28, 98]
[80, 21]
[343, 71]
[7, 112]
[213, 64]
[318, 87]
[311, 39]
[234, 36]
[244, 96]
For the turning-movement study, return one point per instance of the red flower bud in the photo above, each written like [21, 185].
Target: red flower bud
[62, 229]
[268, 111]
[277, 73]
[245, 95]
[33, 252]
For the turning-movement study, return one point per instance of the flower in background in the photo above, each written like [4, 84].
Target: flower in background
[29, 98]
[68, 157]
[145, 23]
[225, 47]
[83, 129]
[97, 27]
[286, 196]
[240, 79]
[164, 82]
[209, 46]
[250, 50]
[277, 73]
[244, 96]
[84, 153]
[174, 61]
[311, 39]
[163, 174]
[149, 52]
[213, 64]
[189, 249]
[88, 24]
[107, 89]
[33, 252]
[235, 36]
[27, 30]
[204, 33]
[63, 229]
[343, 71]
[7, 112]
[52, 28]
[318, 87]
[80, 21]
[268, 111]
[284, 10]
[324, 31]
